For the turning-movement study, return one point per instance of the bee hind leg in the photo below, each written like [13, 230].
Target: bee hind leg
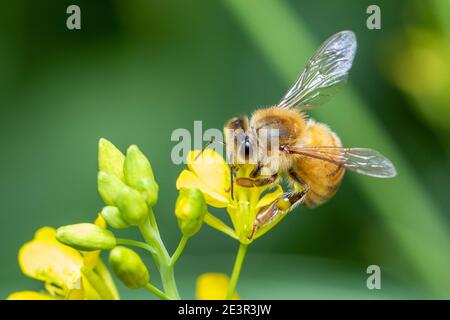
[282, 205]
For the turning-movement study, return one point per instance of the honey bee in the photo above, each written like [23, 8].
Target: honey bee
[309, 153]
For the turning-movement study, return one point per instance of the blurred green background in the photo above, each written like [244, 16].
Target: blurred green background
[139, 69]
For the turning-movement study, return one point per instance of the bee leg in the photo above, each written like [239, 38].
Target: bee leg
[251, 183]
[299, 180]
[256, 171]
[283, 204]
[233, 169]
[266, 181]
[232, 182]
[250, 237]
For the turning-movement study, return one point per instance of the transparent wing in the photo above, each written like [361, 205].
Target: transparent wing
[324, 73]
[361, 160]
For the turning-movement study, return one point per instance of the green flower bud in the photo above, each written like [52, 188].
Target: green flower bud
[86, 237]
[136, 166]
[190, 210]
[129, 267]
[149, 189]
[113, 217]
[109, 187]
[132, 206]
[110, 159]
[139, 174]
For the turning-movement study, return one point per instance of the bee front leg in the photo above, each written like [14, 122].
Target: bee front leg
[259, 182]
[233, 169]
[256, 171]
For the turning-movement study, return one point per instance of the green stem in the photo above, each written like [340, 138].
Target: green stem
[162, 259]
[218, 224]
[237, 270]
[179, 250]
[153, 223]
[156, 292]
[168, 280]
[135, 243]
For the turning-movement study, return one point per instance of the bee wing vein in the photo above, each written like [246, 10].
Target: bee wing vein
[361, 160]
[323, 74]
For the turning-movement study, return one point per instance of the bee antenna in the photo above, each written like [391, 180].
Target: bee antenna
[210, 142]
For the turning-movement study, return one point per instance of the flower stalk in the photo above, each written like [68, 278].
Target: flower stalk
[162, 259]
[179, 250]
[237, 269]
[156, 292]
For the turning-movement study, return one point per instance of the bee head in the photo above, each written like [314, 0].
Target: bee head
[246, 149]
[240, 141]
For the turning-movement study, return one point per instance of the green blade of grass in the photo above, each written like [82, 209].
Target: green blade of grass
[402, 203]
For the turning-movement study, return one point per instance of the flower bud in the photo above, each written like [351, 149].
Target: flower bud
[149, 189]
[139, 174]
[190, 210]
[110, 159]
[129, 267]
[113, 217]
[132, 206]
[109, 187]
[86, 237]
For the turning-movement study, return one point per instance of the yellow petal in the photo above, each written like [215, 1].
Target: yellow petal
[29, 295]
[75, 294]
[213, 286]
[85, 291]
[100, 221]
[211, 169]
[91, 258]
[50, 261]
[106, 277]
[270, 197]
[94, 286]
[187, 179]
[45, 233]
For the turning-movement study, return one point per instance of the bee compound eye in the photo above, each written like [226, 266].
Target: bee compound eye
[247, 147]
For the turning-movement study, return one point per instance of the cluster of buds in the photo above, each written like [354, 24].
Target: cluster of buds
[126, 184]
[128, 188]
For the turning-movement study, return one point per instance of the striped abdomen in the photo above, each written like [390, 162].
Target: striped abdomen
[322, 177]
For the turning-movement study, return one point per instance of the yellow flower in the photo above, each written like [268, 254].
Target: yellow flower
[30, 295]
[66, 273]
[213, 286]
[211, 174]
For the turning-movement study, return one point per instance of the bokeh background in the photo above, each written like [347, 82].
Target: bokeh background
[139, 69]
